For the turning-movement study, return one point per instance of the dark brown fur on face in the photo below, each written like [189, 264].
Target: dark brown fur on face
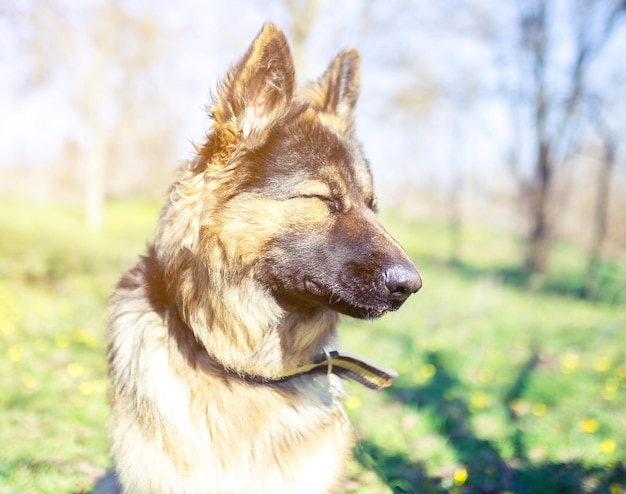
[269, 233]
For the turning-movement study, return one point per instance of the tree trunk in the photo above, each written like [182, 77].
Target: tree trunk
[455, 225]
[539, 235]
[600, 217]
[95, 156]
[539, 238]
[94, 182]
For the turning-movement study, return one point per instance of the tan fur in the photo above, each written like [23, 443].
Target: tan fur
[195, 314]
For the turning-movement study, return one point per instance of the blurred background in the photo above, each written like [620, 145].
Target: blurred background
[496, 133]
[508, 115]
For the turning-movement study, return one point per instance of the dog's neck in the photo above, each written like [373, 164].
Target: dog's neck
[256, 370]
[275, 347]
[241, 334]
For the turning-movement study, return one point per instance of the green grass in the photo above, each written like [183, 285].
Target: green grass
[503, 388]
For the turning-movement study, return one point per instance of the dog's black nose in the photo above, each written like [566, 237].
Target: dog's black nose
[402, 280]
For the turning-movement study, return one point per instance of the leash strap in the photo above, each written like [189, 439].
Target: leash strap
[344, 364]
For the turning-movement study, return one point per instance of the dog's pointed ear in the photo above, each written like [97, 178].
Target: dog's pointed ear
[259, 88]
[337, 91]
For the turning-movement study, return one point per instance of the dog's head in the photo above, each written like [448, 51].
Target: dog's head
[285, 194]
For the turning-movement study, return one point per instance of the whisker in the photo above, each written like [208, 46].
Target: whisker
[330, 301]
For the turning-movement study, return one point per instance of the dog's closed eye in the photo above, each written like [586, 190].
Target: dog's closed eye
[332, 204]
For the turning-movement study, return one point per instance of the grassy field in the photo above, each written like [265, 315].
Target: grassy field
[503, 388]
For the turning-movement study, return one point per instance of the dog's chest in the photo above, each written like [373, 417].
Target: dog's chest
[251, 439]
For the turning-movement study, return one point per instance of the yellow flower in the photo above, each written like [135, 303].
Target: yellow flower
[75, 369]
[14, 354]
[29, 382]
[424, 373]
[7, 326]
[608, 395]
[611, 385]
[615, 489]
[607, 446]
[539, 409]
[428, 370]
[477, 401]
[588, 425]
[621, 371]
[602, 364]
[353, 402]
[85, 337]
[569, 362]
[61, 341]
[86, 388]
[460, 476]
[90, 387]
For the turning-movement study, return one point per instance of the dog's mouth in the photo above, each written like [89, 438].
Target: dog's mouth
[370, 307]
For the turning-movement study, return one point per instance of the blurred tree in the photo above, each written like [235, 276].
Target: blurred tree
[431, 94]
[553, 93]
[302, 14]
[603, 193]
[101, 54]
[305, 15]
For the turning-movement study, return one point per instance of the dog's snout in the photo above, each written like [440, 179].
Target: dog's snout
[402, 280]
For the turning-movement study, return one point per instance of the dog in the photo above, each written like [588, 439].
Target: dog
[224, 362]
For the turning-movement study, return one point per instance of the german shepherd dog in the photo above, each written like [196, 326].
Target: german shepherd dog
[224, 361]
